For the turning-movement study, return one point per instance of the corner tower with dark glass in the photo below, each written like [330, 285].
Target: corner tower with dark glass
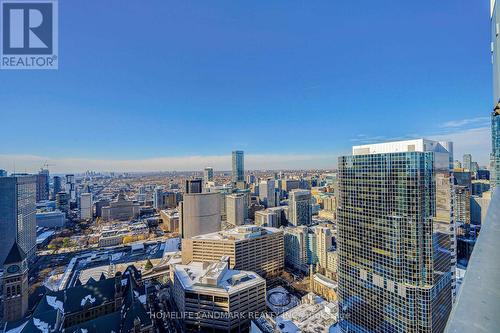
[396, 243]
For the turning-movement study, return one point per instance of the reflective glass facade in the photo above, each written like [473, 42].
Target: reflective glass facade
[394, 263]
[238, 166]
[18, 214]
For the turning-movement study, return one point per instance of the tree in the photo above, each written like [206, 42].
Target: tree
[148, 265]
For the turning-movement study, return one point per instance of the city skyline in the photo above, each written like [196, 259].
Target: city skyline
[295, 79]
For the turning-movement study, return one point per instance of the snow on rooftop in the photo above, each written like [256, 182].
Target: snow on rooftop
[41, 325]
[86, 299]
[56, 304]
[217, 275]
[239, 233]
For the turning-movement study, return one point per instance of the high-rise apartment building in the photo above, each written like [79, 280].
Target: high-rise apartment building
[18, 214]
[42, 185]
[208, 175]
[236, 208]
[267, 193]
[249, 247]
[395, 238]
[62, 202]
[461, 204]
[86, 206]
[299, 207]
[56, 186]
[238, 166]
[70, 187]
[495, 116]
[199, 214]
[467, 162]
[324, 241]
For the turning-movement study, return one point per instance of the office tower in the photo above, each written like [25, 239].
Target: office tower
[62, 202]
[299, 207]
[199, 214]
[474, 167]
[271, 217]
[3, 173]
[15, 284]
[236, 208]
[296, 245]
[289, 184]
[495, 116]
[267, 193]
[324, 241]
[56, 186]
[193, 185]
[238, 166]
[86, 206]
[158, 198]
[42, 185]
[70, 187]
[17, 214]
[217, 293]
[208, 175]
[249, 248]
[395, 253]
[250, 179]
[467, 161]
[457, 164]
[461, 204]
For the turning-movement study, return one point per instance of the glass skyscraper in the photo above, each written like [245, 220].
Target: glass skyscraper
[238, 166]
[396, 237]
[495, 117]
[18, 214]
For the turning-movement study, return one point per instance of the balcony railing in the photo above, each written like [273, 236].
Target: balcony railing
[477, 308]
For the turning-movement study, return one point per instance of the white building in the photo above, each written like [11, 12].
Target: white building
[236, 208]
[300, 208]
[86, 210]
[211, 293]
[267, 193]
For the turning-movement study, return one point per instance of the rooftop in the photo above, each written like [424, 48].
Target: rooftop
[215, 275]
[239, 233]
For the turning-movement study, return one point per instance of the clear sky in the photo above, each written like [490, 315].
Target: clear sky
[159, 85]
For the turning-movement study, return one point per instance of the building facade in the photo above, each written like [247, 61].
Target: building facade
[216, 298]
[248, 247]
[236, 208]
[199, 214]
[300, 208]
[120, 209]
[395, 256]
[42, 185]
[86, 206]
[238, 166]
[18, 214]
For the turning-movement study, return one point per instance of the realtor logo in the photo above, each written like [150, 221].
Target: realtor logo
[29, 34]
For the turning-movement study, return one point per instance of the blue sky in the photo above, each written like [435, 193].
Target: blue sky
[294, 82]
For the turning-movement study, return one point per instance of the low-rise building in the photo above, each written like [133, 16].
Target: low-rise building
[53, 219]
[313, 315]
[215, 298]
[121, 209]
[170, 219]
